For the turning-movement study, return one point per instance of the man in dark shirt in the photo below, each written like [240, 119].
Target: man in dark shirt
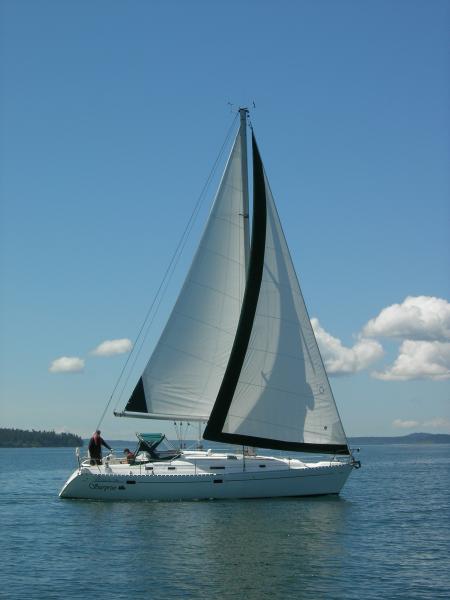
[95, 448]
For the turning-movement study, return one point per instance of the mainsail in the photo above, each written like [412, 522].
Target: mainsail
[184, 373]
[275, 393]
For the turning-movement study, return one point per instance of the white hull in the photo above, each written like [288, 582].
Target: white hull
[199, 476]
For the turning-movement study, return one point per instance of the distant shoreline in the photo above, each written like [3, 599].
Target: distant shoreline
[20, 438]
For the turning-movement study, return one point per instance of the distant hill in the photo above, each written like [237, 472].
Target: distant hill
[20, 438]
[412, 438]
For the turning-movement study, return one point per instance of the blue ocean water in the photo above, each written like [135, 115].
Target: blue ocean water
[386, 536]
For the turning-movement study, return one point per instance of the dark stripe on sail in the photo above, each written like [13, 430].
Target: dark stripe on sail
[224, 398]
[137, 401]
[257, 442]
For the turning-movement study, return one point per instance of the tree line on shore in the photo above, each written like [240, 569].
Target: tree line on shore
[21, 438]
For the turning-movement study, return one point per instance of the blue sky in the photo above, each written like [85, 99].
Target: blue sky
[112, 115]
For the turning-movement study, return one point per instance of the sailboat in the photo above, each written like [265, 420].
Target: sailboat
[238, 353]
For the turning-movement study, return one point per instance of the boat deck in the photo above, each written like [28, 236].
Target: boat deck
[201, 462]
[195, 475]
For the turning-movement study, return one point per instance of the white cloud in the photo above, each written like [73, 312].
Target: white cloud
[437, 422]
[417, 318]
[405, 424]
[419, 360]
[111, 347]
[67, 364]
[340, 360]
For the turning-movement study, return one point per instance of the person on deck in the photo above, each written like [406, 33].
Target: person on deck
[129, 456]
[95, 448]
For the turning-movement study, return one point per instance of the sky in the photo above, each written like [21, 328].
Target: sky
[112, 115]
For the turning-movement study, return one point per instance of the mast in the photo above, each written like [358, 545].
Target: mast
[243, 112]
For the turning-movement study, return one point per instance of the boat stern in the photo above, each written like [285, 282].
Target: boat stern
[73, 486]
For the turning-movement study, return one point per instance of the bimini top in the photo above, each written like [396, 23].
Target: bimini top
[149, 441]
[156, 446]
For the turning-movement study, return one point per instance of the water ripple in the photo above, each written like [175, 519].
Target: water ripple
[386, 536]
